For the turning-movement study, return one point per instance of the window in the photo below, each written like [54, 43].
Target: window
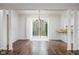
[39, 28]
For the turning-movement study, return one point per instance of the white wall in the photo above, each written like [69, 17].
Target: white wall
[66, 16]
[14, 25]
[53, 25]
[1, 18]
[26, 27]
[22, 26]
[78, 29]
[63, 24]
[3, 29]
[13, 28]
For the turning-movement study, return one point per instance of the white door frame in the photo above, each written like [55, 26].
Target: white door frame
[40, 38]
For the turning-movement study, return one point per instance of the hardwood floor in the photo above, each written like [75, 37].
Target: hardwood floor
[52, 47]
[58, 47]
[22, 47]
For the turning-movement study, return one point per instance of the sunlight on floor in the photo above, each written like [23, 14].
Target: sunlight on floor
[39, 47]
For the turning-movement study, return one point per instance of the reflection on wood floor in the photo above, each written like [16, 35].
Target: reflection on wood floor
[52, 47]
[39, 47]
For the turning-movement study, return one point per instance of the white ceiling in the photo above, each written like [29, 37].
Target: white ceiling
[39, 6]
[55, 12]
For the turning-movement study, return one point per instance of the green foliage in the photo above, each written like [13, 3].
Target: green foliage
[40, 28]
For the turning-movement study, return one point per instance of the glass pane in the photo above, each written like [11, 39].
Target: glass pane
[40, 28]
